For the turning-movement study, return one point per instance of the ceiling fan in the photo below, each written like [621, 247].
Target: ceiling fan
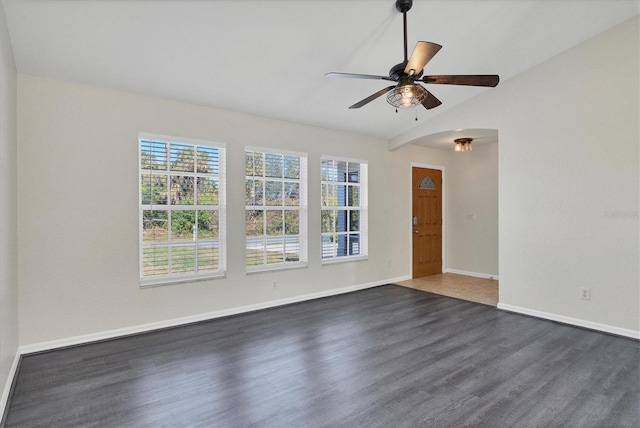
[407, 93]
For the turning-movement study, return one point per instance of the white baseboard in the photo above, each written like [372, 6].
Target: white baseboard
[572, 321]
[4, 401]
[143, 328]
[475, 274]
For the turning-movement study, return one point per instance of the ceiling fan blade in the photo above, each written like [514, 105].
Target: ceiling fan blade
[431, 101]
[372, 97]
[464, 79]
[357, 76]
[421, 55]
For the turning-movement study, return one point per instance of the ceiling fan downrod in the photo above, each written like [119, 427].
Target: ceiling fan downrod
[403, 7]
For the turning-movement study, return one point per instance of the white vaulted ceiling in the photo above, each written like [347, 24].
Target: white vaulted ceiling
[269, 57]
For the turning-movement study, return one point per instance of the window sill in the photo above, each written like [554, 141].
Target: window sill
[159, 282]
[278, 267]
[338, 260]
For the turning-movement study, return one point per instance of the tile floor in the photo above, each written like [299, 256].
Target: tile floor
[463, 287]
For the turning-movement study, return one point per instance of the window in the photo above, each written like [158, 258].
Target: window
[276, 210]
[344, 209]
[182, 210]
[427, 183]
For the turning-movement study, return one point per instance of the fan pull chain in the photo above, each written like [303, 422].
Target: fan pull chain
[416, 114]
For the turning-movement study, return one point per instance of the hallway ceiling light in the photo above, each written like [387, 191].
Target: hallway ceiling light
[463, 144]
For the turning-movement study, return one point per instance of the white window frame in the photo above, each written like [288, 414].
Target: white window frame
[302, 208]
[362, 208]
[180, 277]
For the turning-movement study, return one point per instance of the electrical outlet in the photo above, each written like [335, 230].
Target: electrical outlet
[585, 293]
[275, 285]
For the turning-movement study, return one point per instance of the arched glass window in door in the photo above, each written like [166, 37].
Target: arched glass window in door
[427, 183]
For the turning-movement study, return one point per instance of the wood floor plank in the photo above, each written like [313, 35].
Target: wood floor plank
[388, 356]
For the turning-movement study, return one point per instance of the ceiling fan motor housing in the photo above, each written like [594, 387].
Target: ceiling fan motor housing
[397, 72]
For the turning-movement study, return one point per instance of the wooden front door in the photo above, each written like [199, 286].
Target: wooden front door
[427, 221]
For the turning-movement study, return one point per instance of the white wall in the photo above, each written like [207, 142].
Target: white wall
[472, 188]
[8, 211]
[77, 204]
[568, 159]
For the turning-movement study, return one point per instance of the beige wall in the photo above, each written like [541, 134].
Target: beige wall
[472, 189]
[568, 180]
[77, 201]
[8, 213]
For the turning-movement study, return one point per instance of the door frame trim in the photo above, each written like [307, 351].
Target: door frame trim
[409, 222]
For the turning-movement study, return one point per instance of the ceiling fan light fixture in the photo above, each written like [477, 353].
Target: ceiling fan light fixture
[406, 95]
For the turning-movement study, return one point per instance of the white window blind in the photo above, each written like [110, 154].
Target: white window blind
[344, 204]
[275, 209]
[182, 210]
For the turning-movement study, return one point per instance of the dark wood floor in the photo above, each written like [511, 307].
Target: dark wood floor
[383, 357]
